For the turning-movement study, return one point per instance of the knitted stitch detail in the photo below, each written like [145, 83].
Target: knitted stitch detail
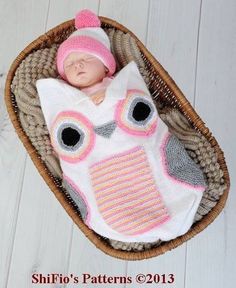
[87, 45]
[200, 150]
[86, 18]
[178, 164]
[78, 198]
[124, 207]
[83, 126]
[63, 127]
[105, 130]
[124, 115]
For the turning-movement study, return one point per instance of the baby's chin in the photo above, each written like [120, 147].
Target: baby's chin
[82, 82]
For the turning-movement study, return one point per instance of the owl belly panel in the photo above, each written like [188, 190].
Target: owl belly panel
[126, 193]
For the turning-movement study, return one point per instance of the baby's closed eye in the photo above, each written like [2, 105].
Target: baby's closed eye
[89, 58]
[68, 64]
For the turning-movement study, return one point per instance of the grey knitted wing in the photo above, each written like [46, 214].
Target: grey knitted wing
[179, 164]
[78, 200]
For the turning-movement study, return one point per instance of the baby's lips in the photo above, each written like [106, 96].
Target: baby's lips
[80, 73]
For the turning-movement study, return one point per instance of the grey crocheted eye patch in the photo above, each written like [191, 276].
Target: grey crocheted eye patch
[70, 137]
[140, 111]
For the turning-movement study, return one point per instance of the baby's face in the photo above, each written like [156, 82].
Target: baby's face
[83, 70]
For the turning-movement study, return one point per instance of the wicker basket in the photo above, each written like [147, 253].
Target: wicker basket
[162, 87]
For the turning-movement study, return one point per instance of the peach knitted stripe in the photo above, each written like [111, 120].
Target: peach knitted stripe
[113, 160]
[127, 187]
[137, 207]
[123, 165]
[119, 217]
[140, 230]
[120, 173]
[109, 188]
[142, 218]
[127, 178]
[134, 200]
[126, 192]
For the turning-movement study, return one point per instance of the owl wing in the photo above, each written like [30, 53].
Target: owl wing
[75, 194]
[179, 164]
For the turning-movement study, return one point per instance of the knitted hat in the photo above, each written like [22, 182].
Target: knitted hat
[88, 38]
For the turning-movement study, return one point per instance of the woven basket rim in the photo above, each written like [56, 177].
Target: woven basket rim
[186, 108]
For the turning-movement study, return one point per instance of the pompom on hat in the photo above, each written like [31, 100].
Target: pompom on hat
[88, 38]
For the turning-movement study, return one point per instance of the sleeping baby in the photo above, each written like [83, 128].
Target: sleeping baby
[130, 178]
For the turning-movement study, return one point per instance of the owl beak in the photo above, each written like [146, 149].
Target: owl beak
[105, 130]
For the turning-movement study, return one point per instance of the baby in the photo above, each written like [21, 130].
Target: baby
[84, 60]
[88, 73]
[131, 179]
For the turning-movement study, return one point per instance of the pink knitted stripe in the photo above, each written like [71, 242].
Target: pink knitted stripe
[126, 195]
[122, 173]
[134, 200]
[118, 213]
[112, 188]
[120, 181]
[126, 186]
[141, 219]
[123, 165]
[115, 159]
[125, 192]
[153, 225]
[119, 218]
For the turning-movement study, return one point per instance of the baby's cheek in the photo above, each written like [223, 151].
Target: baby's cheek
[70, 74]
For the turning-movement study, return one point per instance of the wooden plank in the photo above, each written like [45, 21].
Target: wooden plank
[61, 10]
[87, 259]
[205, 257]
[214, 266]
[43, 233]
[19, 26]
[14, 37]
[12, 166]
[171, 263]
[172, 39]
[132, 14]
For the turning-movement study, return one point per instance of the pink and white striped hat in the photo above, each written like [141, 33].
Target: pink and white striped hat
[88, 38]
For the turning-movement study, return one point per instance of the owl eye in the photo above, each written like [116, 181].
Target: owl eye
[72, 136]
[136, 114]
[141, 111]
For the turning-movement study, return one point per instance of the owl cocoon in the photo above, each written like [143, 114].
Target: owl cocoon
[131, 179]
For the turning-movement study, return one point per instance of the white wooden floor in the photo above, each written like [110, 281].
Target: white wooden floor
[195, 40]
